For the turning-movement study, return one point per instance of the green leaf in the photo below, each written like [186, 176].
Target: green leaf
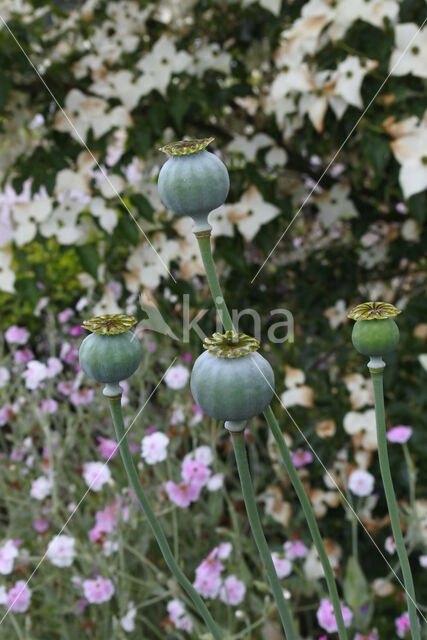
[89, 259]
[375, 150]
[356, 590]
[417, 206]
[142, 205]
[5, 86]
[27, 288]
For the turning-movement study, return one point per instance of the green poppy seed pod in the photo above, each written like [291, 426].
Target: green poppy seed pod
[375, 332]
[231, 381]
[111, 353]
[193, 182]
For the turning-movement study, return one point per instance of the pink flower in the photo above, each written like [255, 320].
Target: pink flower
[107, 448]
[8, 553]
[75, 331]
[232, 591]
[361, 482]
[22, 356]
[177, 377]
[193, 471]
[66, 388]
[183, 494]
[41, 525]
[423, 561]
[98, 590]
[399, 434]
[300, 457]
[208, 586]
[402, 625]
[19, 597]
[60, 551]
[82, 396]
[326, 617]
[96, 474]
[295, 549]
[154, 447]
[6, 413]
[48, 405]
[64, 316]
[54, 366]
[177, 615]
[69, 352]
[282, 565]
[34, 374]
[372, 635]
[16, 335]
[106, 520]
[210, 567]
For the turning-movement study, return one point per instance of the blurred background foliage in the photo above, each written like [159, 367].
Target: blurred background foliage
[319, 110]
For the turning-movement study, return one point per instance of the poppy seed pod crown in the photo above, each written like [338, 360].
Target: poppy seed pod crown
[231, 381]
[375, 332]
[193, 182]
[111, 353]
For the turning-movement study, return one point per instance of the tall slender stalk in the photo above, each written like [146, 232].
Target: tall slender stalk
[310, 517]
[204, 241]
[218, 298]
[377, 380]
[117, 417]
[239, 447]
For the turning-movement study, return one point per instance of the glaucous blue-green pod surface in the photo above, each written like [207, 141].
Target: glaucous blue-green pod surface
[111, 353]
[375, 332]
[193, 182]
[231, 381]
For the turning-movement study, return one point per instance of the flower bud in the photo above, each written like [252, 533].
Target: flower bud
[193, 182]
[375, 332]
[231, 381]
[111, 353]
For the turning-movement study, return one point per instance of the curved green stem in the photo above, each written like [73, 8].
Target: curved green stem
[117, 416]
[377, 380]
[239, 446]
[310, 517]
[206, 253]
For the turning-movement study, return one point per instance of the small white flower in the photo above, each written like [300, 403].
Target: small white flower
[177, 377]
[96, 474]
[41, 488]
[4, 376]
[215, 482]
[390, 545]
[34, 374]
[8, 553]
[282, 565]
[127, 623]
[154, 447]
[361, 482]
[60, 551]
